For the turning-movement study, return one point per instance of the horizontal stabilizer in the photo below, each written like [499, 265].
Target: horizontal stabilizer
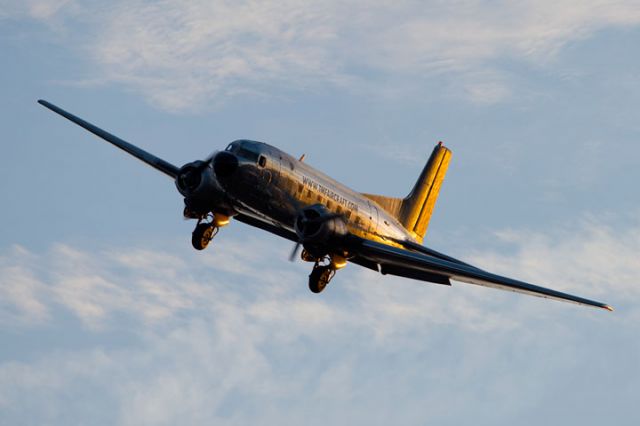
[414, 211]
[389, 204]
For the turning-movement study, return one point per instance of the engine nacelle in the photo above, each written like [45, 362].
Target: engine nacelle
[318, 229]
[197, 182]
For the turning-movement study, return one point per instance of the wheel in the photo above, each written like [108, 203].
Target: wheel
[319, 278]
[202, 235]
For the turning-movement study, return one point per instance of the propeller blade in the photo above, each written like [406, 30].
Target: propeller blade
[294, 253]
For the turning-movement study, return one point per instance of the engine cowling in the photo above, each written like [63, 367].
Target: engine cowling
[197, 182]
[319, 230]
[190, 177]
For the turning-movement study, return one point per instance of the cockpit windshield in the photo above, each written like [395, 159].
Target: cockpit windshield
[248, 152]
[245, 149]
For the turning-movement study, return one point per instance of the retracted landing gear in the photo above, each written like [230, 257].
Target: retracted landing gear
[322, 274]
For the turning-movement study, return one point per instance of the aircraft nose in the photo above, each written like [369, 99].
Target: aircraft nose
[224, 164]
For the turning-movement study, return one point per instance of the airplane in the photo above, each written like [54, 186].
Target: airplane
[259, 185]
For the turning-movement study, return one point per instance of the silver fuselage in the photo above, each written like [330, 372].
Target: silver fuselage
[272, 186]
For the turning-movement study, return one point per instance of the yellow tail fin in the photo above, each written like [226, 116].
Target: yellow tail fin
[414, 211]
[417, 207]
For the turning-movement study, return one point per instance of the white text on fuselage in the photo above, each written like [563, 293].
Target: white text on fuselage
[329, 193]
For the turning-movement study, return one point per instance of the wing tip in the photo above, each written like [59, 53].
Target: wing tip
[46, 104]
[608, 308]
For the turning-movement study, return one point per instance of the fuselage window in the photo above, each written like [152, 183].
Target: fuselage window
[262, 161]
[320, 198]
[309, 195]
[329, 205]
[300, 187]
[348, 214]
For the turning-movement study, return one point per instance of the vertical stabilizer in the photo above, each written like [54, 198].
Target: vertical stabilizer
[416, 208]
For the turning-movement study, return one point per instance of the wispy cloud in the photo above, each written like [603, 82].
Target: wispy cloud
[588, 257]
[22, 294]
[232, 336]
[49, 12]
[186, 55]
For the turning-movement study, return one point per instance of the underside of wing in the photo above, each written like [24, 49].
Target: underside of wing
[413, 264]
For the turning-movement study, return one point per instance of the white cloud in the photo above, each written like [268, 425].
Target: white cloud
[22, 295]
[232, 336]
[185, 55]
[588, 257]
[45, 11]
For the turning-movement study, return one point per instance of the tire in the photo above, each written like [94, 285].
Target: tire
[319, 278]
[201, 236]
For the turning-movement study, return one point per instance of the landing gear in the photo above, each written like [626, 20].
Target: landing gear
[203, 234]
[324, 269]
[320, 277]
[208, 226]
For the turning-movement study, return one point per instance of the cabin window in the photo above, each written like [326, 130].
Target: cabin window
[329, 205]
[262, 161]
[309, 195]
[300, 187]
[339, 209]
[319, 198]
[348, 214]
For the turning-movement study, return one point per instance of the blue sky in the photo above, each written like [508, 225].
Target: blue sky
[107, 316]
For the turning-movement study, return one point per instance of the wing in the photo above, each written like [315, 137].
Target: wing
[277, 230]
[441, 269]
[155, 162]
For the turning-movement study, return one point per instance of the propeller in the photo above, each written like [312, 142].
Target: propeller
[308, 219]
[190, 175]
[295, 251]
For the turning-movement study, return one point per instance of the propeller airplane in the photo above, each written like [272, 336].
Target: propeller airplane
[262, 186]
